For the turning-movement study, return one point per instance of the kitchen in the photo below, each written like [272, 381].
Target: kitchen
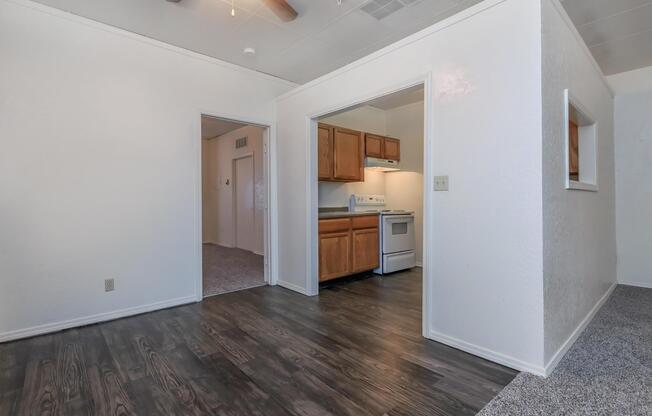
[370, 174]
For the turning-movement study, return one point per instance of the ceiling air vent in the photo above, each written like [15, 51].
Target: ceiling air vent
[241, 142]
[380, 9]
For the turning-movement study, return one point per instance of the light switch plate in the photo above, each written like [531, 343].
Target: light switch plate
[441, 183]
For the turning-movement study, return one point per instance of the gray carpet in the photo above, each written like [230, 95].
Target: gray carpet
[230, 269]
[608, 371]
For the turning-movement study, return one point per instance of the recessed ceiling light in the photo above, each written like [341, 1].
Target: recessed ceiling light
[249, 51]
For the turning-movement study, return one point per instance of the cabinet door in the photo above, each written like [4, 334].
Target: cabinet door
[325, 152]
[366, 251]
[392, 149]
[348, 150]
[334, 255]
[373, 145]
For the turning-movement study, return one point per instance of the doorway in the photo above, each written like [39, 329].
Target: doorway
[235, 237]
[393, 122]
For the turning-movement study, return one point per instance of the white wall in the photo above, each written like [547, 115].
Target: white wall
[404, 189]
[99, 168]
[579, 245]
[486, 257]
[219, 221]
[633, 154]
[631, 82]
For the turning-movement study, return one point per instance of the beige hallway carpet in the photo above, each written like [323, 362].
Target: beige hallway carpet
[230, 269]
[608, 371]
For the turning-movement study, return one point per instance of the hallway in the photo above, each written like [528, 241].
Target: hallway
[230, 269]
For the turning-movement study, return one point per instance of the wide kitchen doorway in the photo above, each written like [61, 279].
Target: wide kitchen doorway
[234, 205]
[370, 201]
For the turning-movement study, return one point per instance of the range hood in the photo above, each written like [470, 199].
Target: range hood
[381, 165]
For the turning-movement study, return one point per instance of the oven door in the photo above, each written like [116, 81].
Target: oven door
[398, 233]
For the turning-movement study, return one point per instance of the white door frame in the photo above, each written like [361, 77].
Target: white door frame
[270, 228]
[234, 193]
[312, 270]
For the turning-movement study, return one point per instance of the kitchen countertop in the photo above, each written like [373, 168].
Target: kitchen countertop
[345, 214]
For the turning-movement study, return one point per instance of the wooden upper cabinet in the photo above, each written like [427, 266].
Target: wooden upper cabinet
[325, 152]
[392, 149]
[374, 145]
[348, 155]
[341, 152]
[382, 147]
[573, 151]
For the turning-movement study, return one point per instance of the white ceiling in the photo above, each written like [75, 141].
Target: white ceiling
[618, 32]
[324, 37]
[213, 127]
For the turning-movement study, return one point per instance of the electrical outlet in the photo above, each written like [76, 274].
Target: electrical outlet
[441, 183]
[109, 285]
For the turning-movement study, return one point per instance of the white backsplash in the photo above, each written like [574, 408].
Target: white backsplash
[336, 194]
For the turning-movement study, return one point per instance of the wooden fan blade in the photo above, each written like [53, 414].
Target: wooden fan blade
[282, 9]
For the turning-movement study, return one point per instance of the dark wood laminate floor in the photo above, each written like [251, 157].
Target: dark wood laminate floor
[354, 350]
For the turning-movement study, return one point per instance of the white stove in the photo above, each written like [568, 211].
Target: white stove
[397, 241]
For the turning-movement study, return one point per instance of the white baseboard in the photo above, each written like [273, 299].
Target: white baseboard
[293, 287]
[550, 367]
[487, 353]
[647, 285]
[93, 319]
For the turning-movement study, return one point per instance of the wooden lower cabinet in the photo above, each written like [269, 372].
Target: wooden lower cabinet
[334, 255]
[348, 246]
[365, 255]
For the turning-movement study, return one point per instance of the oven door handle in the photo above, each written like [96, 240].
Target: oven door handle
[401, 218]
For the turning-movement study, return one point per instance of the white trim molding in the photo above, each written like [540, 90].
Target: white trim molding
[94, 319]
[487, 353]
[550, 366]
[292, 286]
[580, 185]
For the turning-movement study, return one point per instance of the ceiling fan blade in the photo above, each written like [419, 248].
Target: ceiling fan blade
[282, 9]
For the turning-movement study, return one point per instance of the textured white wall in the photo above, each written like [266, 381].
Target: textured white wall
[633, 194]
[218, 196]
[99, 167]
[486, 254]
[579, 243]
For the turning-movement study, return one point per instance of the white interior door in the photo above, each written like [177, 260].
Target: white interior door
[244, 204]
